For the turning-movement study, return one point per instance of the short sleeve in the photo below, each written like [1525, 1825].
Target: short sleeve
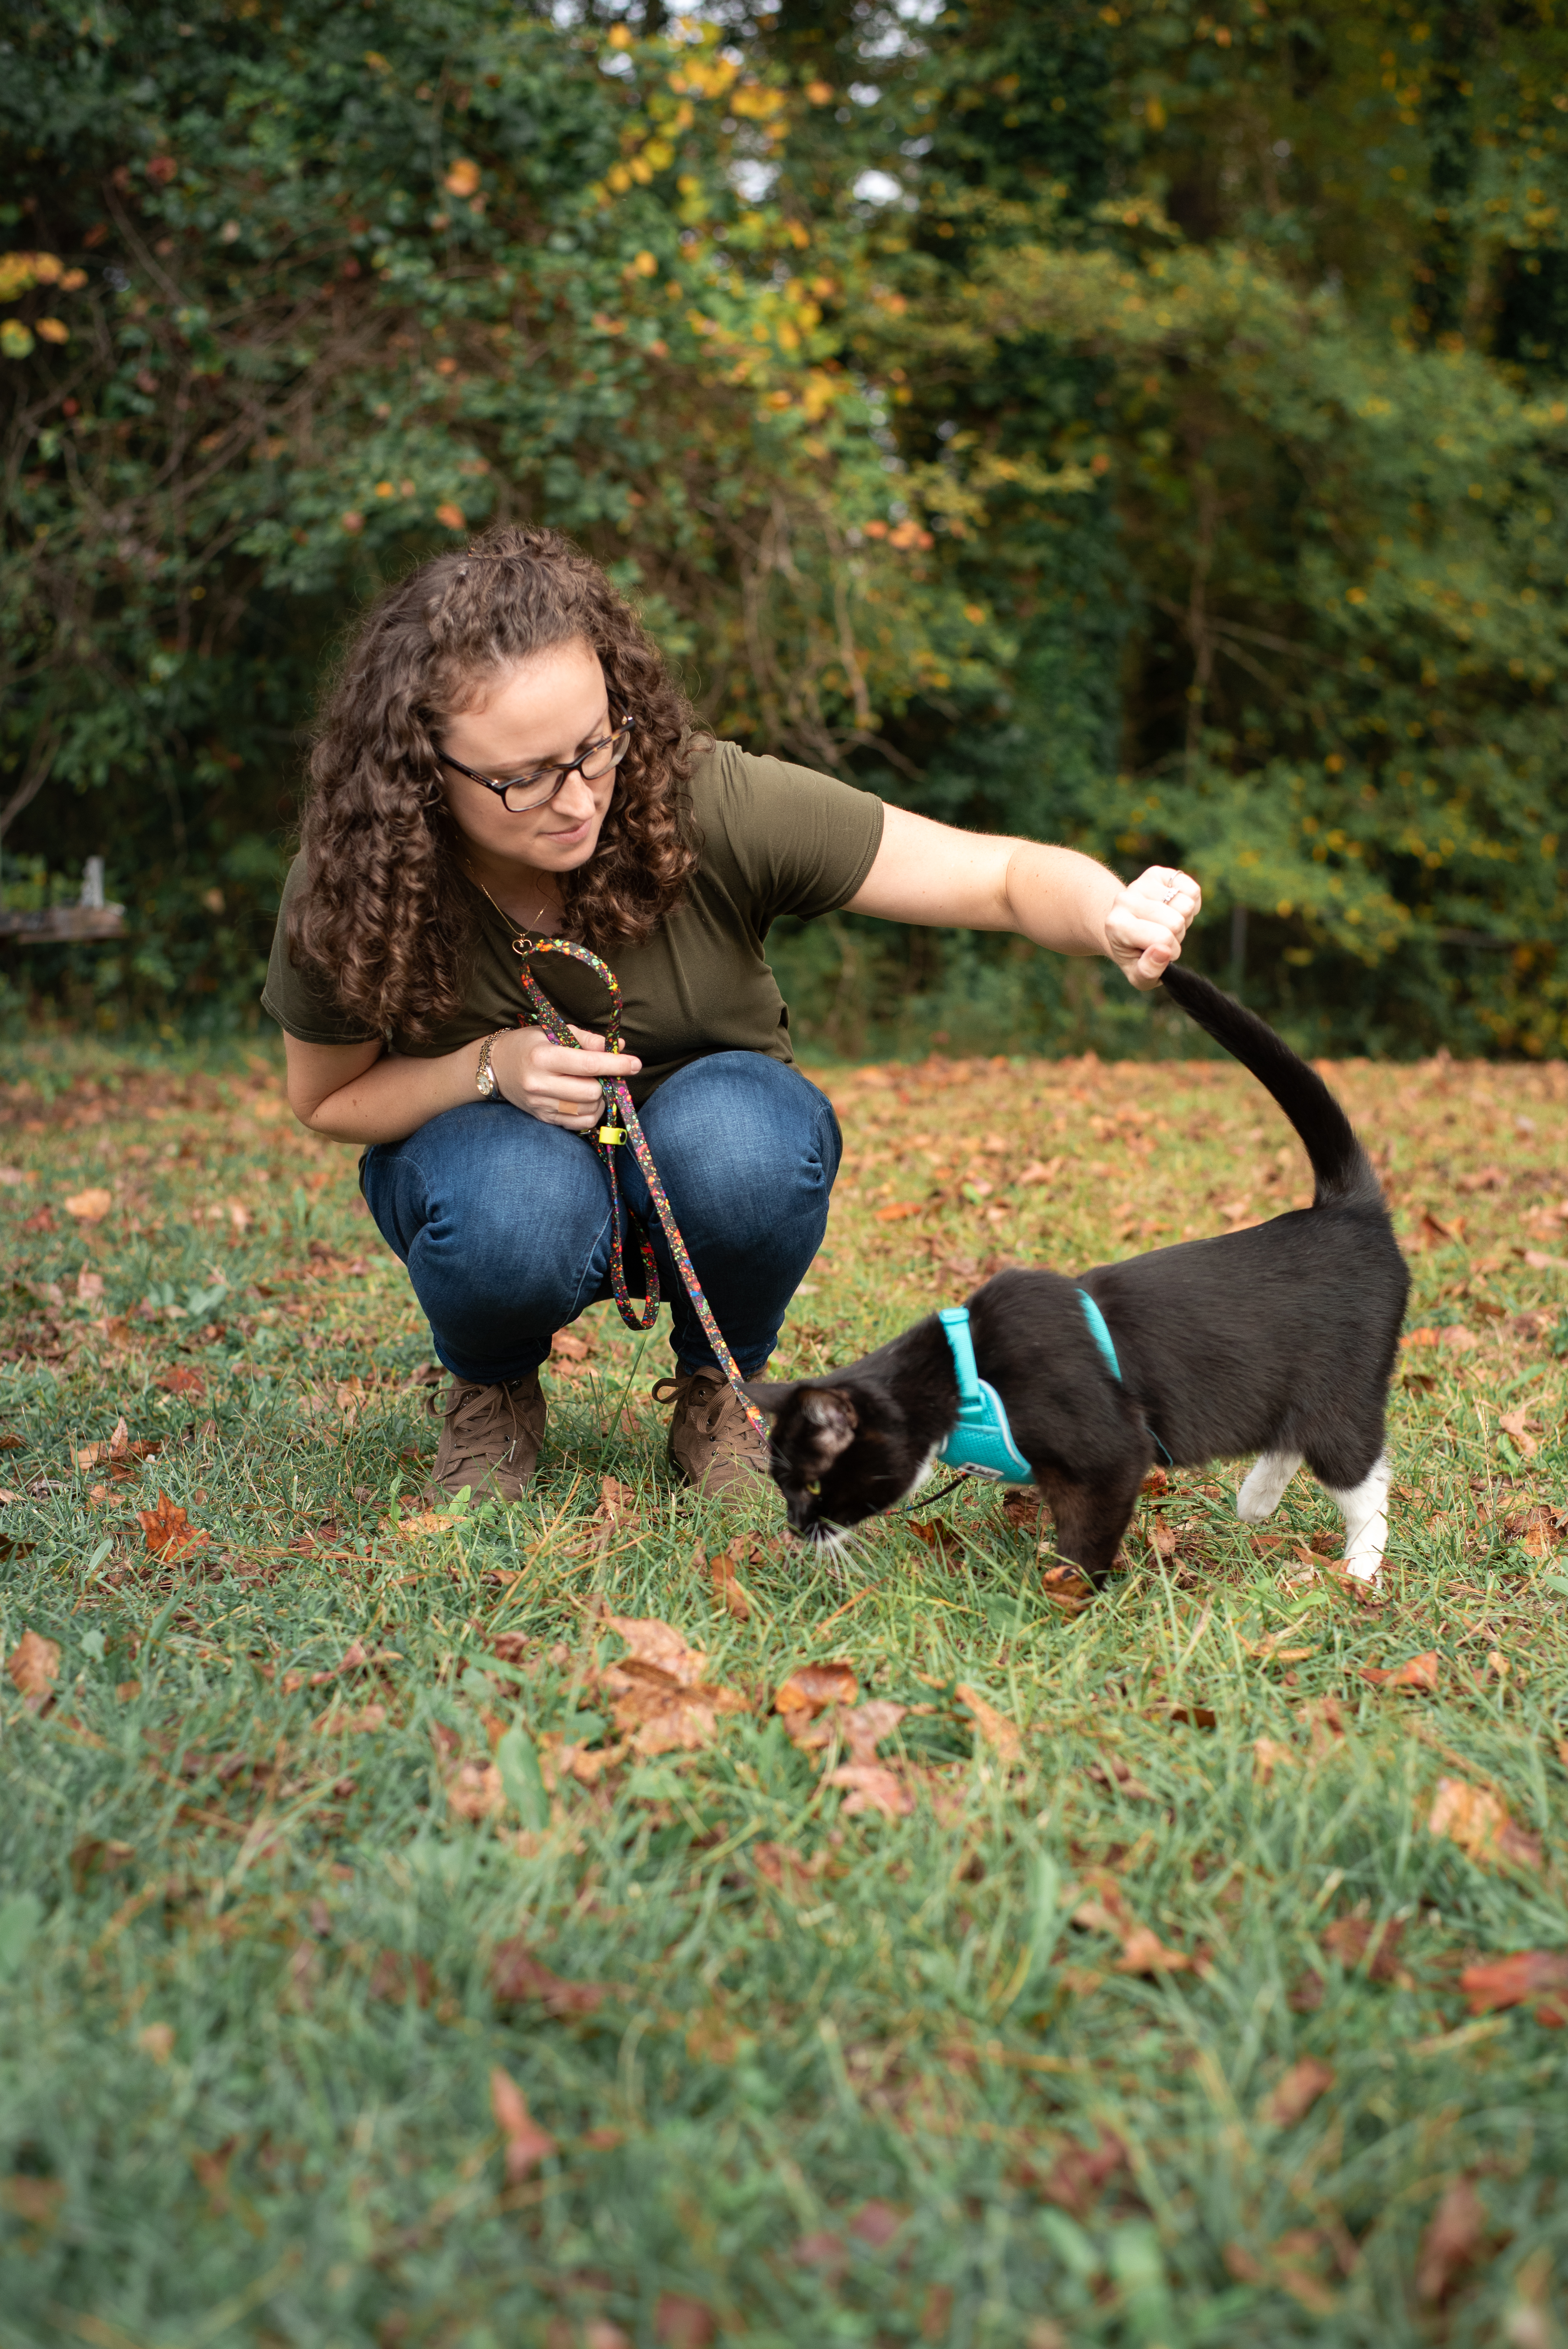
[802, 842]
[298, 998]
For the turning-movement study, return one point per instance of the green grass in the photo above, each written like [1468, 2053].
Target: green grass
[822, 2099]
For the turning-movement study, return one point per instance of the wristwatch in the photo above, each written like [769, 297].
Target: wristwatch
[484, 1082]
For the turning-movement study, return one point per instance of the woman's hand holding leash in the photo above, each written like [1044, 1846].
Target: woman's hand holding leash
[1148, 921]
[555, 1084]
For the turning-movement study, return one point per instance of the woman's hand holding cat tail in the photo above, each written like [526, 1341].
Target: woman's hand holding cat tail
[1146, 922]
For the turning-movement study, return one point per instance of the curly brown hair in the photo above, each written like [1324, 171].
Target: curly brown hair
[385, 913]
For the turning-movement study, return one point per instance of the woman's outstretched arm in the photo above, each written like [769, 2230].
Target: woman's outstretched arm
[931, 873]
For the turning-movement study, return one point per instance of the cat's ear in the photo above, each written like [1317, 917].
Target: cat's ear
[770, 1395]
[829, 1424]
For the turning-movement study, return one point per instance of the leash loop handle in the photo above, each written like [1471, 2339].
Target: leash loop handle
[621, 1125]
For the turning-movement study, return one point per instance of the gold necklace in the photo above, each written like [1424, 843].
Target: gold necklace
[508, 918]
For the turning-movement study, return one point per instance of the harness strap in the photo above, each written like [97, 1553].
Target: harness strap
[1101, 1333]
[610, 1135]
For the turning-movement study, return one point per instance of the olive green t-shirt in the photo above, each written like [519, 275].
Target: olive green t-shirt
[775, 839]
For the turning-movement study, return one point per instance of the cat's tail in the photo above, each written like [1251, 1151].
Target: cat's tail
[1346, 1175]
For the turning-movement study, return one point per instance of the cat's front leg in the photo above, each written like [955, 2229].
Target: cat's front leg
[1090, 1519]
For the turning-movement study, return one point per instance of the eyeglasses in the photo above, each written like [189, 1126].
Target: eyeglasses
[518, 794]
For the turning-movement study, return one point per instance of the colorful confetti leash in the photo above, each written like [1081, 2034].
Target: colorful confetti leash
[606, 1140]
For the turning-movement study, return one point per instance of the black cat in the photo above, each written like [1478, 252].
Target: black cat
[1280, 1340]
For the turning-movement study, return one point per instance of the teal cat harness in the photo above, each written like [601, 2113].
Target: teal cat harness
[982, 1443]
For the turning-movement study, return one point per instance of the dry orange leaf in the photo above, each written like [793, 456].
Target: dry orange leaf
[167, 1530]
[1476, 1819]
[527, 2145]
[1269, 1756]
[1454, 2235]
[1142, 1951]
[1000, 1733]
[1114, 1772]
[178, 1380]
[1512, 1981]
[728, 1590]
[427, 1522]
[349, 1721]
[516, 1975]
[872, 1787]
[660, 1697]
[1067, 1588]
[682, 2322]
[617, 1506]
[897, 1210]
[474, 1790]
[810, 1688]
[1079, 2175]
[1296, 2093]
[89, 1207]
[1416, 1672]
[33, 1665]
[1518, 1424]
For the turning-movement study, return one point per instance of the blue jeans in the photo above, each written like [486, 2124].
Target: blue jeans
[504, 1223]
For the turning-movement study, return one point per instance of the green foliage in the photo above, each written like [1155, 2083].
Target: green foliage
[1161, 449]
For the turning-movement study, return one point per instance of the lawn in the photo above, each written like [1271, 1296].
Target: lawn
[597, 1924]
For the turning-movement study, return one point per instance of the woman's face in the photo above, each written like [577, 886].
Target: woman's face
[540, 713]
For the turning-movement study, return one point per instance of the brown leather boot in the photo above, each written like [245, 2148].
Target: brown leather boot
[712, 1443]
[490, 1438]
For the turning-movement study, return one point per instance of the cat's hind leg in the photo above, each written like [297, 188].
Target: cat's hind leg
[1365, 1509]
[1261, 1494]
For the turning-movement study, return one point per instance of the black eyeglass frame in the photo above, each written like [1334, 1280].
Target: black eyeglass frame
[621, 735]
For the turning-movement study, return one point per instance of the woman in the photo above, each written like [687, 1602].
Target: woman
[503, 757]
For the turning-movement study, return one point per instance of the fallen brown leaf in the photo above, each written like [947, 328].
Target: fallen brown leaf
[168, 1531]
[89, 1207]
[617, 1507]
[1116, 1772]
[566, 1346]
[660, 1696]
[872, 1787]
[180, 1379]
[394, 1975]
[1476, 1819]
[1285, 2265]
[1454, 2235]
[810, 1688]
[349, 1721]
[474, 1791]
[994, 1728]
[517, 1976]
[681, 2323]
[1348, 1938]
[1497, 1982]
[1065, 1588]
[1142, 1951]
[936, 1536]
[527, 2145]
[1296, 2093]
[1079, 2175]
[422, 1525]
[728, 1590]
[1269, 1756]
[33, 1665]
[1519, 1426]
[1415, 1673]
